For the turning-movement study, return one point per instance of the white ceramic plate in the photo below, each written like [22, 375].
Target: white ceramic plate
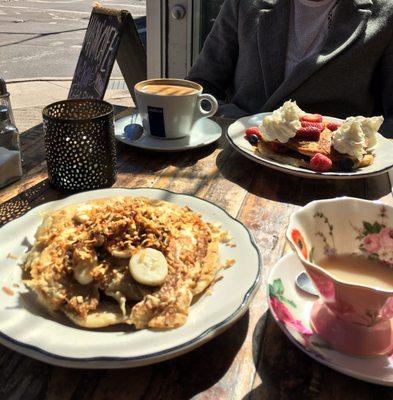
[291, 308]
[235, 134]
[27, 328]
[205, 132]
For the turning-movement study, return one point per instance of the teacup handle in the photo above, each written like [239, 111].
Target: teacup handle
[201, 113]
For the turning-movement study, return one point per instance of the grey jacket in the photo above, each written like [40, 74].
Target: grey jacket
[243, 61]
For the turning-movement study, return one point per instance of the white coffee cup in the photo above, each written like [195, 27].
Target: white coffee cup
[169, 108]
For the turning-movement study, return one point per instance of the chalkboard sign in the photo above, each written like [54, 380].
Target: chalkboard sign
[111, 35]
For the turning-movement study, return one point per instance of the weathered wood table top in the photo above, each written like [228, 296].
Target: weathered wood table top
[252, 359]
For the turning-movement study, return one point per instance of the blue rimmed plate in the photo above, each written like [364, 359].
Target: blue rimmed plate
[27, 328]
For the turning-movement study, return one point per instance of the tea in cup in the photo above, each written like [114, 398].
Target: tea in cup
[170, 108]
[346, 247]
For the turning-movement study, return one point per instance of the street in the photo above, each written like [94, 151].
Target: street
[43, 38]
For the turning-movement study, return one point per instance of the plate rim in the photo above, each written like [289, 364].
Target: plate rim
[297, 171]
[335, 367]
[203, 337]
[160, 150]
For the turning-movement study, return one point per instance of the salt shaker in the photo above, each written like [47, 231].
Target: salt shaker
[5, 99]
[10, 157]
[9, 135]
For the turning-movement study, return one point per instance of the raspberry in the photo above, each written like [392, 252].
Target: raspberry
[321, 163]
[254, 130]
[319, 125]
[310, 133]
[332, 126]
[311, 118]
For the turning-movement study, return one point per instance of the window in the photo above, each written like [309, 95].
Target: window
[177, 30]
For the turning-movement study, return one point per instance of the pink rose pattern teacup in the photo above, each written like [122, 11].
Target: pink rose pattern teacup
[353, 318]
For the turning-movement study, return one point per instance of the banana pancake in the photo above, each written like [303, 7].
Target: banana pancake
[80, 262]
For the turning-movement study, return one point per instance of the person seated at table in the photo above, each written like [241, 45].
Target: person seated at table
[333, 57]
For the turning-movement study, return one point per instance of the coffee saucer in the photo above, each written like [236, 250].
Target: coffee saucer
[291, 308]
[129, 130]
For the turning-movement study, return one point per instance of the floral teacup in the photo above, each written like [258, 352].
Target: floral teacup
[353, 318]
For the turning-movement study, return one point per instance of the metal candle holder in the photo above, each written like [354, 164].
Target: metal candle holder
[80, 144]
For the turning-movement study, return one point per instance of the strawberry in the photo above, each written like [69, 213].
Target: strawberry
[318, 125]
[278, 147]
[310, 133]
[254, 130]
[332, 126]
[311, 118]
[321, 163]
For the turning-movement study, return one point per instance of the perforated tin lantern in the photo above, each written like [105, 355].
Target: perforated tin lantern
[80, 144]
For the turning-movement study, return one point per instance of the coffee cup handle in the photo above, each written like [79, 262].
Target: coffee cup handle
[213, 103]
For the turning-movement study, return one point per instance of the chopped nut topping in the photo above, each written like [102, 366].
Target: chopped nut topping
[8, 291]
[12, 256]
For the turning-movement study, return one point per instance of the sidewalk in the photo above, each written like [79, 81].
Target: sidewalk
[29, 97]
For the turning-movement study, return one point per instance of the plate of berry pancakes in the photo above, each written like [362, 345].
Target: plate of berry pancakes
[311, 145]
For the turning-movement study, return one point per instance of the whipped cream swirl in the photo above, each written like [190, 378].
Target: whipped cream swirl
[357, 135]
[283, 123]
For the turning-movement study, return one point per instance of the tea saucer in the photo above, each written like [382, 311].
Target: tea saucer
[291, 309]
[128, 130]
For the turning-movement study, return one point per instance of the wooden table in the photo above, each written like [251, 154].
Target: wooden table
[251, 360]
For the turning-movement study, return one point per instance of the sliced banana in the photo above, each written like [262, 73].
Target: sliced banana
[82, 213]
[84, 263]
[149, 267]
